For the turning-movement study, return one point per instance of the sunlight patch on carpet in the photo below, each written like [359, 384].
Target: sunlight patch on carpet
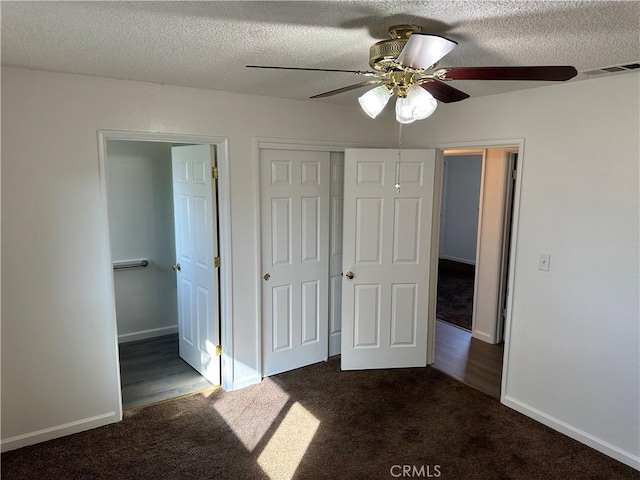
[252, 412]
[286, 448]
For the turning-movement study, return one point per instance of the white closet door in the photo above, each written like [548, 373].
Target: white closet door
[295, 243]
[387, 247]
[196, 226]
[335, 253]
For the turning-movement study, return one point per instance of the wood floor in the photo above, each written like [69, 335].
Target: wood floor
[152, 371]
[472, 361]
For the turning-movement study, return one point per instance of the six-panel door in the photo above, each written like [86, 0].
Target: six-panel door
[196, 238]
[387, 248]
[295, 265]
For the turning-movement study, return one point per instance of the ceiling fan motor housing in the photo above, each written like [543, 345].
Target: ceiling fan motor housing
[383, 55]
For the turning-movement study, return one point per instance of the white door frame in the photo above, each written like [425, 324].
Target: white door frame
[224, 222]
[519, 143]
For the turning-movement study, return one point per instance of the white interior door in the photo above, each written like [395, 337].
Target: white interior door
[195, 213]
[295, 243]
[387, 240]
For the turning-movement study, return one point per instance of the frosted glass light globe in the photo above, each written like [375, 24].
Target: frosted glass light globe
[374, 101]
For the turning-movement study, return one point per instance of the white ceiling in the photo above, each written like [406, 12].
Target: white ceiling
[208, 44]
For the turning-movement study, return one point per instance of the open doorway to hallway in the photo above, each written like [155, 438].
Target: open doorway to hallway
[474, 239]
[461, 181]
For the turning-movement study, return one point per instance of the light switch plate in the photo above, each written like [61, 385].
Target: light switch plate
[543, 262]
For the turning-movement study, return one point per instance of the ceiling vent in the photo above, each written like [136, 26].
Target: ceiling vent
[629, 67]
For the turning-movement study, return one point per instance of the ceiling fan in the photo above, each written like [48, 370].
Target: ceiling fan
[407, 65]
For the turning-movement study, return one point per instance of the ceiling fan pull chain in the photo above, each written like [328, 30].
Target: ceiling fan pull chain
[399, 157]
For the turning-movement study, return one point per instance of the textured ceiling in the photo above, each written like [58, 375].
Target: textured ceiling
[208, 44]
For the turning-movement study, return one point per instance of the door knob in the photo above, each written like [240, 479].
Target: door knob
[349, 275]
[176, 267]
[266, 277]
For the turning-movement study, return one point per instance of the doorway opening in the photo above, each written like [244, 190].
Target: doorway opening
[171, 327]
[461, 180]
[473, 260]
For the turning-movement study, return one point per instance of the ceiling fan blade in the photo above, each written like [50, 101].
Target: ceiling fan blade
[346, 89]
[422, 50]
[443, 92]
[359, 72]
[548, 73]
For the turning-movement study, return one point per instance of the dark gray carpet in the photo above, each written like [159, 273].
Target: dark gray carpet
[455, 293]
[369, 421]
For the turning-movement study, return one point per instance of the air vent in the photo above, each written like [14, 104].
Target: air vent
[612, 69]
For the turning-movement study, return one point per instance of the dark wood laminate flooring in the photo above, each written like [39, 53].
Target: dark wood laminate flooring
[472, 361]
[151, 371]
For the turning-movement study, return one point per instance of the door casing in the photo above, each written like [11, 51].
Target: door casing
[224, 219]
[265, 142]
[515, 212]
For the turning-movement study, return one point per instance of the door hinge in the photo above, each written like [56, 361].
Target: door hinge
[216, 262]
[514, 174]
[214, 173]
[218, 350]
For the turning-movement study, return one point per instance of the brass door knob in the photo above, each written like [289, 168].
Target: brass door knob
[266, 277]
[176, 267]
[349, 275]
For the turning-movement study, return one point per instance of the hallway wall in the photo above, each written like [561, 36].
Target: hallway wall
[459, 213]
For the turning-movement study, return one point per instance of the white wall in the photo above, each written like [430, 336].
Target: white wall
[459, 212]
[58, 293]
[573, 358]
[139, 191]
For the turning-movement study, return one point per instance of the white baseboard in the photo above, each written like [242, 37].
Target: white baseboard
[58, 431]
[569, 430]
[485, 337]
[456, 259]
[144, 334]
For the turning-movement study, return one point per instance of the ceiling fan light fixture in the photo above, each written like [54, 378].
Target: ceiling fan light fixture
[422, 101]
[418, 104]
[404, 111]
[374, 100]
